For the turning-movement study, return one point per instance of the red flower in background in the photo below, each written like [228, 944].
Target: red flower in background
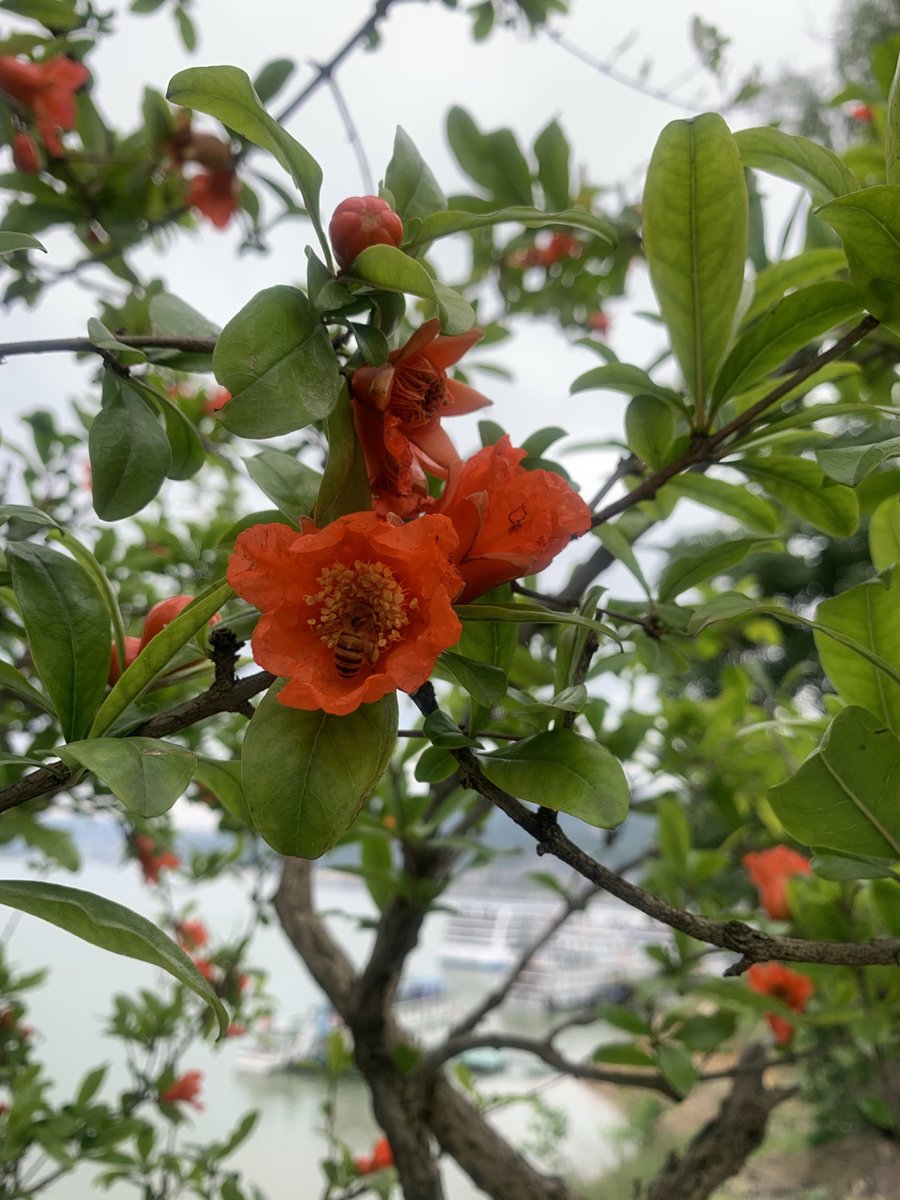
[350, 612]
[132, 650]
[192, 933]
[47, 90]
[26, 155]
[380, 1159]
[598, 322]
[862, 112]
[510, 522]
[216, 400]
[207, 969]
[152, 861]
[165, 611]
[184, 1090]
[769, 871]
[360, 222]
[793, 989]
[398, 410]
[215, 194]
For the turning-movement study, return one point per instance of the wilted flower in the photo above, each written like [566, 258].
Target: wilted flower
[510, 521]
[770, 870]
[350, 612]
[792, 988]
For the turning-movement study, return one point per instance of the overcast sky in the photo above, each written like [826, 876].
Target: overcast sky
[427, 61]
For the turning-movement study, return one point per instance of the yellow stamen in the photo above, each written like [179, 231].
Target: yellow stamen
[362, 598]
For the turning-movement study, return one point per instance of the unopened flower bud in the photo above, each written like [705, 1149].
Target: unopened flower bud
[360, 222]
[26, 154]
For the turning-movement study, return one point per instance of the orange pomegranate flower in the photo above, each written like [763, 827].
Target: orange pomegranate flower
[192, 933]
[792, 988]
[770, 870]
[150, 860]
[215, 194]
[186, 1089]
[380, 1159]
[510, 522]
[353, 611]
[47, 90]
[412, 393]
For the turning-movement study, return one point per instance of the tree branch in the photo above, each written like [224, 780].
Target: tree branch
[83, 345]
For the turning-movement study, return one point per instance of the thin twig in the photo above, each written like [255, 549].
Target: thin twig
[83, 345]
[352, 135]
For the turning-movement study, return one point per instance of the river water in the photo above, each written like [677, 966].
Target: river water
[69, 1012]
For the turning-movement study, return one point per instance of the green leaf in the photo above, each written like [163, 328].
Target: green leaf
[408, 178]
[552, 153]
[276, 359]
[54, 14]
[434, 764]
[14, 681]
[650, 430]
[113, 927]
[797, 159]
[884, 534]
[812, 266]
[26, 512]
[101, 336]
[272, 78]
[493, 160]
[223, 779]
[11, 242]
[444, 732]
[373, 345]
[792, 325]
[288, 483]
[617, 543]
[840, 867]
[869, 614]
[442, 224]
[188, 453]
[851, 464]
[345, 483]
[227, 94]
[699, 564]
[130, 454]
[146, 774]
[892, 133]
[68, 631]
[730, 498]
[456, 314]
[173, 317]
[868, 224]
[484, 683]
[389, 268]
[802, 488]
[677, 1066]
[627, 379]
[621, 1054]
[157, 655]
[564, 771]
[695, 238]
[844, 797]
[307, 774]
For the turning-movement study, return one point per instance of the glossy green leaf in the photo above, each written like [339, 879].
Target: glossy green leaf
[227, 94]
[307, 774]
[484, 683]
[812, 266]
[801, 487]
[11, 242]
[884, 534]
[868, 224]
[101, 336]
[276, 359]
[732, 499]
[869, 614]
[188, 452]
[797, 159]
[345, 482]
[272, 78]
[157, 655]
[493, 160]
[27, 512]
[627, 379]
[373, 345]
[844, 797]
[68, 631]
[434, 764]
[840, 867]
[223, 779]
[444, 732]
[389, 268]
[148, 775]
[699, 564]
[695, 239]
[793, 324]
[456, 314]
[130, 454]
[113, 927]
[552, 153]
[619, 546]
[852, 464]
[442, 224]
[650, 430]
[892, 133]
[408, 178]
[564, 771]
[290, 484]
[14, 681]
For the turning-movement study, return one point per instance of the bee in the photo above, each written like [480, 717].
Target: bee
[357, 641]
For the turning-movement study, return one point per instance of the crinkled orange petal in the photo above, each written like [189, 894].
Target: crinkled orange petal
[260, 569]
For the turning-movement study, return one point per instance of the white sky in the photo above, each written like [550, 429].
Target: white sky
[427, 61]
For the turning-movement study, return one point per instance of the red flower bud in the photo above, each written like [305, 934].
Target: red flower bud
[132, 650]
[360, 222]
[26, 154]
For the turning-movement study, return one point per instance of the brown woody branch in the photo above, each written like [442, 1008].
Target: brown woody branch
[751, 944]
[709, 448]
